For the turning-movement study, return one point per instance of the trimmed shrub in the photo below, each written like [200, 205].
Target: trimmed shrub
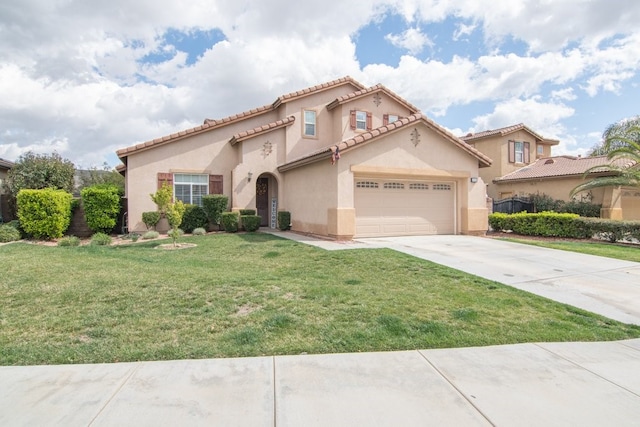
[229, 221]
[199, 231]
[69, 241]
[16, 224]
[44, 214]
[284, 220]
[150, 219]
[8, 234]
[611, 230]
[194, 217]
[544, 203]
[101, 239]
[250, 222]
[247, 212]
[101, 207]
[214, 205]
[150, 235]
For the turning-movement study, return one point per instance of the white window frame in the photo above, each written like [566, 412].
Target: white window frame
[187, 180]
[518, 151]
[540, 149]
[392, 118]
[361, 120]
[313, 123]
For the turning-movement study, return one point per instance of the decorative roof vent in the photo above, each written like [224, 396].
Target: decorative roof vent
[549, 162]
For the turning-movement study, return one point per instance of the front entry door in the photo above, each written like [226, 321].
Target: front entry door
[262, 200]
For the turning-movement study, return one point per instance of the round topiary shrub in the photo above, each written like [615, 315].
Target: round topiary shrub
[101, 239]
[8, 234]
[194, 217]
[199, 231]
[149, 235]
[69, 241]
[150, 219]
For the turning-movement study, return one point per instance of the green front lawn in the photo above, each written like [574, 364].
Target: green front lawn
[609, 250]
[255, 294]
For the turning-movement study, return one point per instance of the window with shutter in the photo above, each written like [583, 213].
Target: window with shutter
[215, 184]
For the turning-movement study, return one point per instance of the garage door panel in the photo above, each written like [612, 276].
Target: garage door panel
[420, 208]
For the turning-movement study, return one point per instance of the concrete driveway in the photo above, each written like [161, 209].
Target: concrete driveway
[601, 285]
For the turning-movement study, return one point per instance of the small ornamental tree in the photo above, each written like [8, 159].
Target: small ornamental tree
[162, 198]
[101, 207]
[44, 214]
[174, 213]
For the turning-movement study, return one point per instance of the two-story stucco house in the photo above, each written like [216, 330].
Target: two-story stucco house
[346, 160]
[510, 148]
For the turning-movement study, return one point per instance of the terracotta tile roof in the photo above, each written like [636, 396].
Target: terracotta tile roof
[6, 164]
[560, 166]
[210, 124]
[261, 130]
[506, 131]
[318, 88]
[371, 90]
[365, 137]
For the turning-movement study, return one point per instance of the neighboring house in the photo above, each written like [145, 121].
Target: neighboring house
[5, 166]
[344, 159]
[557, 176]
[510, 148]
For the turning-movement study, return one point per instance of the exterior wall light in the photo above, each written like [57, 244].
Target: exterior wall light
[474, 179]
[249, 175]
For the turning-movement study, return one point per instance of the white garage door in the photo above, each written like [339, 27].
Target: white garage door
[403, 208]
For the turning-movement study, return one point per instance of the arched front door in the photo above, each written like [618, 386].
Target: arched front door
[267, 200]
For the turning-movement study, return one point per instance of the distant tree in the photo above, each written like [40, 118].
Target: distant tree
[39, 171]
[617, 136]
[622, 147]
[103, 175]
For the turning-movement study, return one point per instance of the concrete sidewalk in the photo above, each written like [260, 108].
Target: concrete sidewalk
[550, 384]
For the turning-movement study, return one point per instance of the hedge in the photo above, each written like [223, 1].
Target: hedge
[101, 207]
[250, 222]
[551, 224]
[194, 217]
[214, 205]
[44, 213]
[229, 221]
[284, 220]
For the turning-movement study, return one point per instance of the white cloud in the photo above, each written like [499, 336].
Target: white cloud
[463, 30]
[412, 40]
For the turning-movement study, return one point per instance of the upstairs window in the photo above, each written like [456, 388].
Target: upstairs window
[518, 152]
[309, 123]
[389, 118]
[540, 149]
[360, 120]
[190, 187]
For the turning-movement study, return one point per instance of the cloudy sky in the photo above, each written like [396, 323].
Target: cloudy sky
[85, 77]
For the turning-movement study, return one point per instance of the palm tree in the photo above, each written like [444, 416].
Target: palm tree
[622, 146]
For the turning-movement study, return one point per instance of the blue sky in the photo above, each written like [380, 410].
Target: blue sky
[84, 78]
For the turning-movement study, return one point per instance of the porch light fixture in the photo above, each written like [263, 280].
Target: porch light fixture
[474, 179]
[249, 175]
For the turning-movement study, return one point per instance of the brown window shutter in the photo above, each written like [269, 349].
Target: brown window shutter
[215, 184]
[352, 119]
[165, 178]
[512, 151]
[369, 120]
[385, 119]
[526, 152]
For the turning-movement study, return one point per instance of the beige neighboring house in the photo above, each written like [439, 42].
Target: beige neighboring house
[5, 166]
[510, 148]
[557, 176]
[346, 160]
